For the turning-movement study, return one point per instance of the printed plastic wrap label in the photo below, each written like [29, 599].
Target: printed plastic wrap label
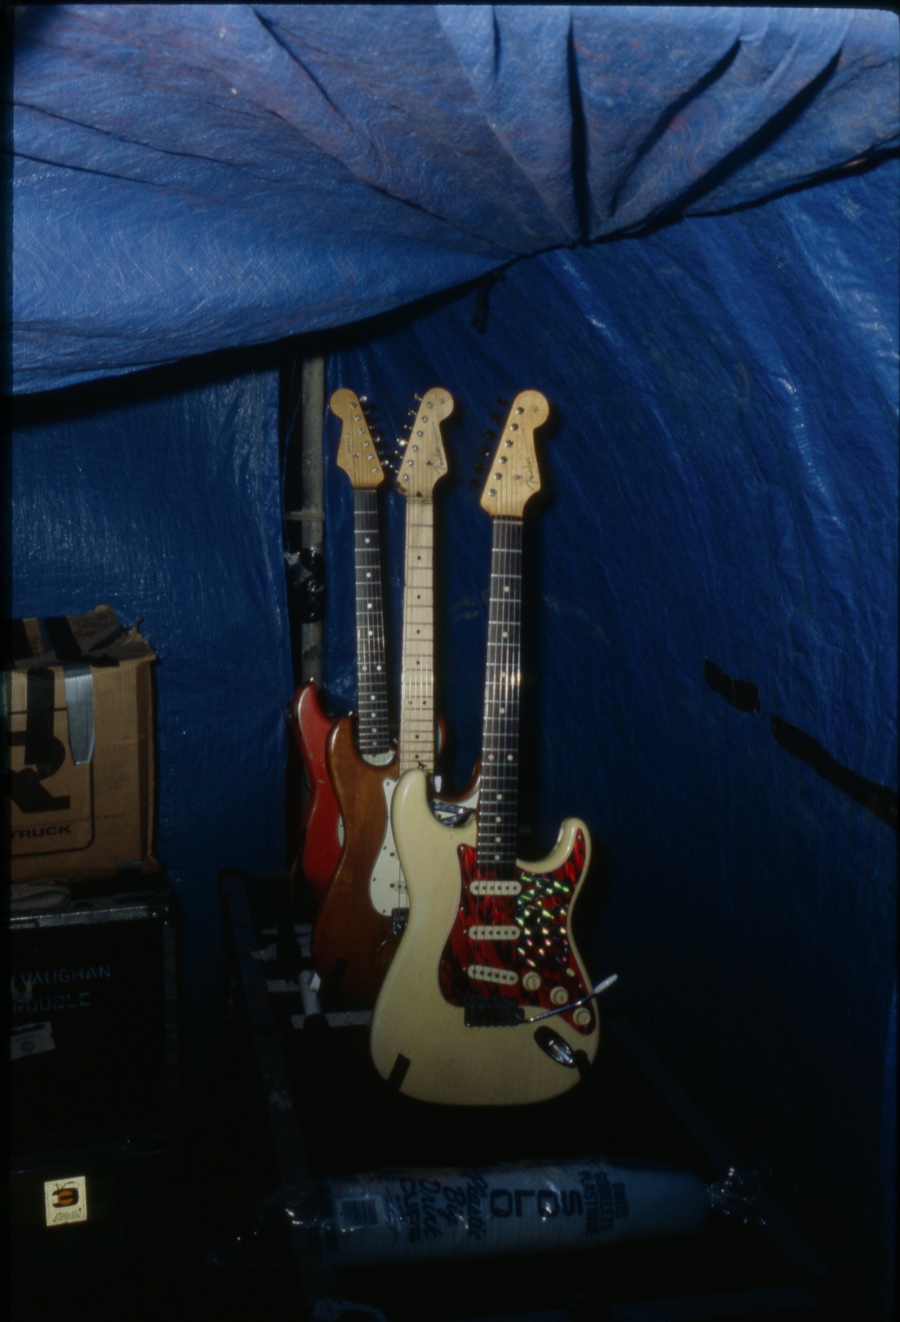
[435, 1215]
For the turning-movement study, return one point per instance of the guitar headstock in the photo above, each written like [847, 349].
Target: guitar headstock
[424, 461]
[514, 474]
[356, 454]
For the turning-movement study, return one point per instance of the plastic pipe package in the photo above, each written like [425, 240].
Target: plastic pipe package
[427, 1216]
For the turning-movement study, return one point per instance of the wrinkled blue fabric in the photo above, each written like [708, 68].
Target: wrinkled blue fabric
[193, 177]
[693, 218]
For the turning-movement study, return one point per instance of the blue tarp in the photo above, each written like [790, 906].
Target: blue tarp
[693, 218]
[190, 177]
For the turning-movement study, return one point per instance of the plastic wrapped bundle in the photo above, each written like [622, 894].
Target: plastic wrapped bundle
[418, 1216]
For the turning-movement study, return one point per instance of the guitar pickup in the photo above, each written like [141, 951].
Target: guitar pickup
[486, 973]
[495, 888]
[494, 932]
[398, 921]
[493, 1012]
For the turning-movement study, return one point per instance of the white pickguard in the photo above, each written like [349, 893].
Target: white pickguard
[387, 885]
[387, 889]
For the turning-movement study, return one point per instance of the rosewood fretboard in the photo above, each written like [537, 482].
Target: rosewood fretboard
[373, 725]
[498, 799]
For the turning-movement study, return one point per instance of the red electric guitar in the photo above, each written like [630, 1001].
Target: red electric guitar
[362, 915]
[487, 1000]
[322, 827]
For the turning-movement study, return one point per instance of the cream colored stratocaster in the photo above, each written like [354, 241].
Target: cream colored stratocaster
[487, 1000]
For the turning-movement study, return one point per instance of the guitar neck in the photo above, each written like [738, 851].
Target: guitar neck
[498, 797]
[373, 733]
[417, 720]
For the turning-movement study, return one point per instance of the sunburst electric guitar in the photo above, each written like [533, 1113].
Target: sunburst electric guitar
[487, 1000]
[321, 829]
[362, 915]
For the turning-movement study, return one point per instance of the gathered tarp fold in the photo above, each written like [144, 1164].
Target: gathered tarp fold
[189, 178]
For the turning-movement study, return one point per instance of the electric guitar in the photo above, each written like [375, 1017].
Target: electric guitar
[322, 826]
[362, 915]
[488, 950]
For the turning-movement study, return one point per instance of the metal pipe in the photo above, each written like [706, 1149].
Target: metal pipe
[312, 516]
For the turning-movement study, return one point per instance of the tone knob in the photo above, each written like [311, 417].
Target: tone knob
[559, 996]
[532, 981]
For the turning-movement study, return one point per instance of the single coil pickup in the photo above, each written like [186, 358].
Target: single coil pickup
[484, 973]
[495, 888]
[494, 932]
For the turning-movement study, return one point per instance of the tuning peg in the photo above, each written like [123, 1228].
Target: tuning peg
[486, 450]
[417, 397]
[363, 399]
[480, 468]
[473, 483]
[501, 400]
[495, 417]
[490, 435]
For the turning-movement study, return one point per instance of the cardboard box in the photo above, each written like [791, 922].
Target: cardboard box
[78, 783]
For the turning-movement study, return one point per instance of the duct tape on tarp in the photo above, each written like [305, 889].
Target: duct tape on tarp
[423, 1216]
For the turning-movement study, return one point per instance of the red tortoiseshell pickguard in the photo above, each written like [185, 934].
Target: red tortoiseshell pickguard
[540, 911]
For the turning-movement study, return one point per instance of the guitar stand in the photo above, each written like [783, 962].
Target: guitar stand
[328, 1128]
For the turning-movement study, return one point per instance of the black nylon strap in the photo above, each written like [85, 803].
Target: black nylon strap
[62, 640]
[39, 718]
[19, 646]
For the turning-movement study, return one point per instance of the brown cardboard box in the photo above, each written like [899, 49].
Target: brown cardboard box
[78, 783]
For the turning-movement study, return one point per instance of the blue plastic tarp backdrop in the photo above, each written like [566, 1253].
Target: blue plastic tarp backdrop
[682, 226]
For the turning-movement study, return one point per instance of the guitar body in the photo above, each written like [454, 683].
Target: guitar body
[362, 916]
[321, 841]
[352, 938]
[420, 1039]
